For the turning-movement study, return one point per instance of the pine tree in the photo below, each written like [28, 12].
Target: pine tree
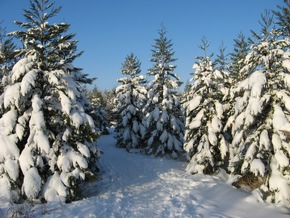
[164, 120]
[131, 95]
[205, 144]
[260, 147]
[49, 145]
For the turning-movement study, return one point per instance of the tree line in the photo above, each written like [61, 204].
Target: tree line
[232, 117]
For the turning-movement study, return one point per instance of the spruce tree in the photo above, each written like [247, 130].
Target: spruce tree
[240, 50]
[98, 111]
[164, 118]
[260, 147]
[205, 143]
[130, 99]
[235, 76]
[49, 145]
[7, 56]
[110, 106]
[221, 62]
[283, 20]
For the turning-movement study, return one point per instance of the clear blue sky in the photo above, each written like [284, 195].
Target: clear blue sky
[109, 30]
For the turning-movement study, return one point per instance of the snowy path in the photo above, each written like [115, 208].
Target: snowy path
[135, 185]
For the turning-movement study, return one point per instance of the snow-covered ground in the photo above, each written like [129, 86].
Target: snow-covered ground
[135, 185]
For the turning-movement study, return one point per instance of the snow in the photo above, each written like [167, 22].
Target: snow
[223, 147]
[164, 116]
[254, 106]
[11, 168]
[28, 81]
[5, 188]
[83, 149]
[216, 124]
[32, 183]
[237, 138]
[77, 118]
[8, 121]
[194, 103]
[280, 122]
[42, 141]
[25, 159]
[287, 79]
[22, 67]
[282, 160]
[12, 95]
[219, 109]
[65, 103]
[130, 188]
[278, 184]
[196, 122]
[251, 151]
[212, 136]
[257, 167]
[256, 83]
[8, 147]
[264, 139]
[239, 121]
[156, 113]
[54, 189]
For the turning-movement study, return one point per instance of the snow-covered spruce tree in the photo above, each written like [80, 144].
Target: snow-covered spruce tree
[240, 51]
[98, 112]
[205, 107]
[110, 106]
[283, 19]
[7, 56]
[47, 139]
[164, 118]
[222, 59]
[130, 99]
[260, 149]
[235, 76]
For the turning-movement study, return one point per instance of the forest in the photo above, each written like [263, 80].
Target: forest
[232, 117]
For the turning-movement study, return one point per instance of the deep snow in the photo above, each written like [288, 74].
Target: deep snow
[135, 185]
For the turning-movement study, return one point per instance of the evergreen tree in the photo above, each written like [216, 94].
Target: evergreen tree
[283, 20]
[7, 55]
[235, 76]
[47, 138]
[131, 95]
[110, 106]
[241, 49]
[205, 144]
[164, 120]
[98, 111]
[260, 147]
[221, 61]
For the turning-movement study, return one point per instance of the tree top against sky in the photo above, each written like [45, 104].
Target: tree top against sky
[108, 31]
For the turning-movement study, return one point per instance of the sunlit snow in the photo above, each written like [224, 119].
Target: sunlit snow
[128, 187]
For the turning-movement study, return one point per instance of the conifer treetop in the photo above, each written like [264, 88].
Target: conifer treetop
[7, 52]
[131, 66]
[283, 19]
[162, 54]
[49, 42]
